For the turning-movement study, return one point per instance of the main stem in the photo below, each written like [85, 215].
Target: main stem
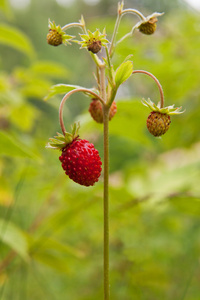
[106, 182]
[106, 204]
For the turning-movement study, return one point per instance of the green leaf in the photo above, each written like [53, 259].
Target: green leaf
[123, 72]
[61, 89]
[16, 39]
[14, 237]
[10, 146]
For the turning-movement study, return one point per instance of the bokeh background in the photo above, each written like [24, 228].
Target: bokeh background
[51, 229]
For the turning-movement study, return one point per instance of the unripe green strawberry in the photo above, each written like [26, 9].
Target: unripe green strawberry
[158, 123]
[148, 27]
[54, 38]
[81, 162]
[96, 110]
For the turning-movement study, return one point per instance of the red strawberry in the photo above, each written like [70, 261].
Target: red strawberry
[158, 123]
[96, 110]
[81, 162]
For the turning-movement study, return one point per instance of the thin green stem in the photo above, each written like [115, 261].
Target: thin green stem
[135, 12]
[157, 82]
[128, 34]
[106, 203]
[111, 50]
[71, 25]
[106, 182]
[103, 82]
[121, 13]
[110, 69]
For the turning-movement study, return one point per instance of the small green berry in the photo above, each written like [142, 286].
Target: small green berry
[158, 123]
[54, 38]
[148, 27]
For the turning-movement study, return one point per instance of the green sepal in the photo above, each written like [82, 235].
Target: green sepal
[61, 141]
[88, 39]
[65, 37]
[169, 110]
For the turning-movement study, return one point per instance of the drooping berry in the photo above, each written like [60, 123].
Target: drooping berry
[149, 26]
[81, 162]
[54, 38]
[158, 123]
[96, 110]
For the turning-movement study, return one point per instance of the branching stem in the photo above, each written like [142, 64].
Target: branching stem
[119, 16]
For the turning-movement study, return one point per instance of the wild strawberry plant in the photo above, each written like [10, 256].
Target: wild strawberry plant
[80, 160]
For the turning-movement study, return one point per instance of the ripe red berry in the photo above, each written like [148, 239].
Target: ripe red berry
[96, 110]
[158, 123]
[81, 162]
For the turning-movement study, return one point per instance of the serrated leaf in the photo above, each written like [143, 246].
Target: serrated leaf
[123, 72]
[11, 235]
[16, 39]
[61, 89]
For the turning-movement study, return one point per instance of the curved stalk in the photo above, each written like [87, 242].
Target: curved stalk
[71, 25]
[157, 82]
[135, 12]
[129, 34]
[66, 97]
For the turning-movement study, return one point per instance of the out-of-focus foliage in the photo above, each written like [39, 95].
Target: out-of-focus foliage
[51, 229]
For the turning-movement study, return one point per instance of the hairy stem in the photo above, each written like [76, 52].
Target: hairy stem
[119, 16]
[135, 12]
[106, 182]
[157, 82]
[67, 96]
[106, 203]
[130, 34]
[103, 83]
[71, 25]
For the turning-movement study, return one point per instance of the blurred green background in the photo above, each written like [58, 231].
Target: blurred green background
[51, 229]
